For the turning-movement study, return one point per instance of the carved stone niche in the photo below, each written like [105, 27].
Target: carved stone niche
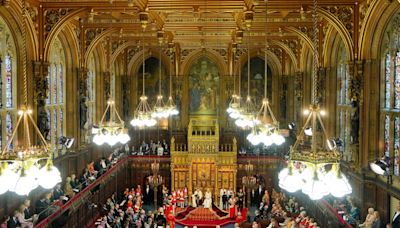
[5, 3]
[40, 72]
[83, 81]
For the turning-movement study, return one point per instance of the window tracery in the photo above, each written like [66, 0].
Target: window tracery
[390, 97]
[8, 69]
[55, 105]
[343, 103]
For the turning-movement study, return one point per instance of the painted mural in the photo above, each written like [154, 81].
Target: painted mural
[152, 69]
[256, 79]
[203, 87]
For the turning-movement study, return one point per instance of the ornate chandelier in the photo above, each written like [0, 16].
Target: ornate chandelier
[314, 167]
[234, 104]
[246, 112]
[143, 113]
[25, 167]
[266, 130]
[110, 132]
[160, 111]
[170, 105]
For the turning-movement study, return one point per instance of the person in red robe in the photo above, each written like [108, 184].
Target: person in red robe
[171, 219]
[232, 208]
[239, 218]
[129, 204]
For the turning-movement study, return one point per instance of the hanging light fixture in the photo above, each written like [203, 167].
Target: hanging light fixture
[235, 101]
[170, 105]
[160, 111]
[314, 167]
[26, 166]
[143, 113]
[266, 129]
[112, 131]
[246, 118]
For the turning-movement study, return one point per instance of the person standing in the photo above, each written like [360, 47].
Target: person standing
[396, 217]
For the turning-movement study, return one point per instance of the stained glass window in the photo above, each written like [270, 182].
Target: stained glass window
[60, 132]
[48, 135]
[387, 80]
[55, 106]
[386, 136]
[54, 122]
[54, 84]
[60, 84]
[9, 128]
[8, 75]
[343, 102]
[397, 82]
[48, 80]
[396, 145]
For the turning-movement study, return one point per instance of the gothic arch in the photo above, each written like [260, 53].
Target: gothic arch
[333, 43]
[273, 61]
[57, 28]
[307, 40]
[372, 30]
[341, 29]
[213, 55]
[96, 41]
[137, 60]
[165, 60]
[288, 51]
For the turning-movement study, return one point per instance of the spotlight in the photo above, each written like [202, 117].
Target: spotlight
[308, 131]
[331, 144]
[381, 167]
[334, 143]
[306, 112]
[322, 112]
[292, 126]
[339, 142]
[65, 141]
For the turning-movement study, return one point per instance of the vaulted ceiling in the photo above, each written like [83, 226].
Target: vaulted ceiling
[202, 23]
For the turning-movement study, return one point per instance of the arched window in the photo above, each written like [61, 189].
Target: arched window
[390, 97]
[55, 105]
[343, 103]
[8, 69]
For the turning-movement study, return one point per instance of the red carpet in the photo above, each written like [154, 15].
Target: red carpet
[203, 217]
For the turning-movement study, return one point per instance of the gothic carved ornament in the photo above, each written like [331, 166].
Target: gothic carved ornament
[51, 17]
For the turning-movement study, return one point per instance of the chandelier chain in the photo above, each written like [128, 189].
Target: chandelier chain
[265, 53]
[24, 54]
[144, 65]
[248, 66]
[316, 53]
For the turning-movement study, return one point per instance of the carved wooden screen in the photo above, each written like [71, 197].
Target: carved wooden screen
[203, 175]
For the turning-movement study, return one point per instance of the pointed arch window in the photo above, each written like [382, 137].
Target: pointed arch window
[55, 102]
[8, 84]
[390, 95]
[343, 103]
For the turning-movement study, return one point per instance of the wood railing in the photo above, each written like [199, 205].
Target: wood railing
[102, 189]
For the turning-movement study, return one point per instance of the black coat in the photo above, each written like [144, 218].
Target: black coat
[396, 221]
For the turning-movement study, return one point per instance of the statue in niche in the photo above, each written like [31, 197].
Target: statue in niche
[43, 121]
[125, 101]
[355, 119]
[82, 112]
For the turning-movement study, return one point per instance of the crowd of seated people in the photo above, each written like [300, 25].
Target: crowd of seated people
[128, 211]
[159, 148]
[281, 211]
[61, 193]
